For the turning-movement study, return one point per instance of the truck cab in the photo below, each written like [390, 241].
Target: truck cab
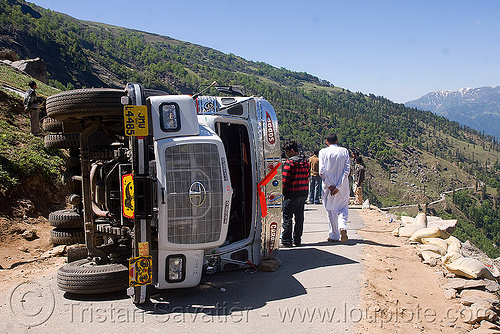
[172, 186]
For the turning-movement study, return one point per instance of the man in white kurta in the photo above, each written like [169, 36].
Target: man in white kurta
[334, 167]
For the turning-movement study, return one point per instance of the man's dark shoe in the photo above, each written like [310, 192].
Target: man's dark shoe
[343, 235]
[297, 243]
[286, 245]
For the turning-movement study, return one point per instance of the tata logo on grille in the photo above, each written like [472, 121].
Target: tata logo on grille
[197, 194]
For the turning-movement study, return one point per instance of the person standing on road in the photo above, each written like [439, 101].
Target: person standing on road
[295, 185]
[334, 168]
[358, 178]
[315, 184]
[31, 106]
[355, 155]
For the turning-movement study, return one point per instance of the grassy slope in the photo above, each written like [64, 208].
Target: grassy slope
[22, 156]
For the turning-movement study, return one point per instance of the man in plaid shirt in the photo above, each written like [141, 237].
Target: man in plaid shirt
[295, 187]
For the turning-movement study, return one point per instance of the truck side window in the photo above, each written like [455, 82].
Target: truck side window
[236, 110]
[170, 117]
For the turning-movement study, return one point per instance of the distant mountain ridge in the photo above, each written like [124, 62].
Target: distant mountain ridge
[478, 108]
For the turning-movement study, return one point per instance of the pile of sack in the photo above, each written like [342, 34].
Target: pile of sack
[435, 243]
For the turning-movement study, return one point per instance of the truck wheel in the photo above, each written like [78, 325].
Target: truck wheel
[67, 236]
[66, 218]
[87, 277]
[77, 252]
[61, 140]
[52, 125]
[83, 103]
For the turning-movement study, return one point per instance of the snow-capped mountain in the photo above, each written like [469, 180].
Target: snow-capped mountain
[478, 108]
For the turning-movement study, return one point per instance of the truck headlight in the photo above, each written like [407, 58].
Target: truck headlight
[170, 117]
[176, 268]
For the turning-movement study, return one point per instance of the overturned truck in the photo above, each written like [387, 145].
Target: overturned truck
[166, 187]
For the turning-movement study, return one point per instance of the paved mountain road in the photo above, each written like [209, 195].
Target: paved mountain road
[316, 290]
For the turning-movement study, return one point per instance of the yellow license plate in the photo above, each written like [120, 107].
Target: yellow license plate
[136, 120]
[140, 270]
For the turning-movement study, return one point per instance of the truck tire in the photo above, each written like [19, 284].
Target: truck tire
[66, 218]
[83, 103]
[61, 140]
[77, 252]
[52, 125]
[67, 236]
[86, 277]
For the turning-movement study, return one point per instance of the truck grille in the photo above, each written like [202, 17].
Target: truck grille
[194, 187]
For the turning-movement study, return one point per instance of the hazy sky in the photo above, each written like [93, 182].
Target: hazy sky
[400, 49]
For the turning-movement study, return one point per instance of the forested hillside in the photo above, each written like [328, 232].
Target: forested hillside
[412, 155]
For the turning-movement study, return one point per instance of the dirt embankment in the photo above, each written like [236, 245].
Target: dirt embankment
[399, 291]
[20, 259]
[24, 229]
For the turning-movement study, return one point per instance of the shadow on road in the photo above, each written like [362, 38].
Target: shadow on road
[370, 242]
[235, 291]
[112, 296]
[350, 242]
[245, 289]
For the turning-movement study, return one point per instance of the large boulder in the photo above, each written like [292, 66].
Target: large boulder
[8, 54]
[461, 284]
[34, 67]
[478, 312]
[472, 296]
[486, 327]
